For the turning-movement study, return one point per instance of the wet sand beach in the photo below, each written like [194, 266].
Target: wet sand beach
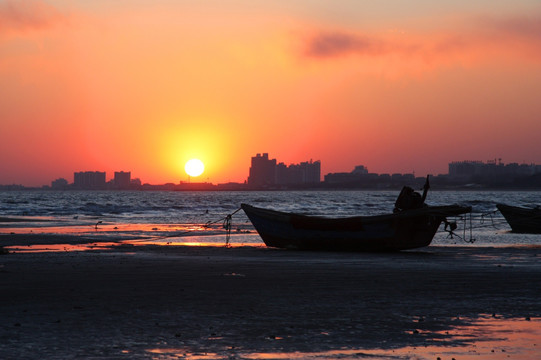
[209, 302]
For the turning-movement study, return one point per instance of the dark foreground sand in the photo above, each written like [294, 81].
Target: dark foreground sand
[133, 302]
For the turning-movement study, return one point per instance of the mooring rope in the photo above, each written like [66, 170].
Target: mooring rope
[484, 220]
[226, 224]
[451, 226]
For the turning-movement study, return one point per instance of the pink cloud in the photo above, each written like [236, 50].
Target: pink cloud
[482, 37]
[517, 27]
[21, 16]
[329, 44]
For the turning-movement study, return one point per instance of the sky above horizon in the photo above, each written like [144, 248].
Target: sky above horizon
[143, 86]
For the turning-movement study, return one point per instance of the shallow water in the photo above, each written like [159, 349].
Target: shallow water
[167, 216]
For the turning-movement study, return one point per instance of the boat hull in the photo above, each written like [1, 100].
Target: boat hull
[393, 232]
[520, 219]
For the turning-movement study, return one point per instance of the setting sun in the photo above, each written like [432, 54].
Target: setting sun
[194, 167]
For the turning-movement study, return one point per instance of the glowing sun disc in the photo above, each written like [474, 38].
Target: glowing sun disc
[194, 167]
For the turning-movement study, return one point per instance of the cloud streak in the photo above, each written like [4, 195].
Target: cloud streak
[523, 27]
[330, 44]
[21, 16]
[482, 37]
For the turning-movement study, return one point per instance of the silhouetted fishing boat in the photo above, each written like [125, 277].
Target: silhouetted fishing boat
[402, 230]
[521, 219]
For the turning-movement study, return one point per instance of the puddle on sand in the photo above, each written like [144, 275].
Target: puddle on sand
[41, 248]
[182, 354]
[486, 338]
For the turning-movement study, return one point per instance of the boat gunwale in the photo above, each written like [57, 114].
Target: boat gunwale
[443, 211]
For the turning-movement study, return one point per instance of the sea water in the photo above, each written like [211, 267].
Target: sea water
[201, 214]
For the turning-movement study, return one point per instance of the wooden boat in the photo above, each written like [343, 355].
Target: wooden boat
[402, 230]
[522, 219]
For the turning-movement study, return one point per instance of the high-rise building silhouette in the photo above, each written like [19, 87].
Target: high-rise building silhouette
[262, 171]
[122, 179]
[266, 172]
[59, 184]
[312, 171]
[89, 180]
[303, 173]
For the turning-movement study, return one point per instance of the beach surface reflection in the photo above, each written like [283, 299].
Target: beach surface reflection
[487, 337]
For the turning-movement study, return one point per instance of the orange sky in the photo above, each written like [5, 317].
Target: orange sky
[143, 86]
